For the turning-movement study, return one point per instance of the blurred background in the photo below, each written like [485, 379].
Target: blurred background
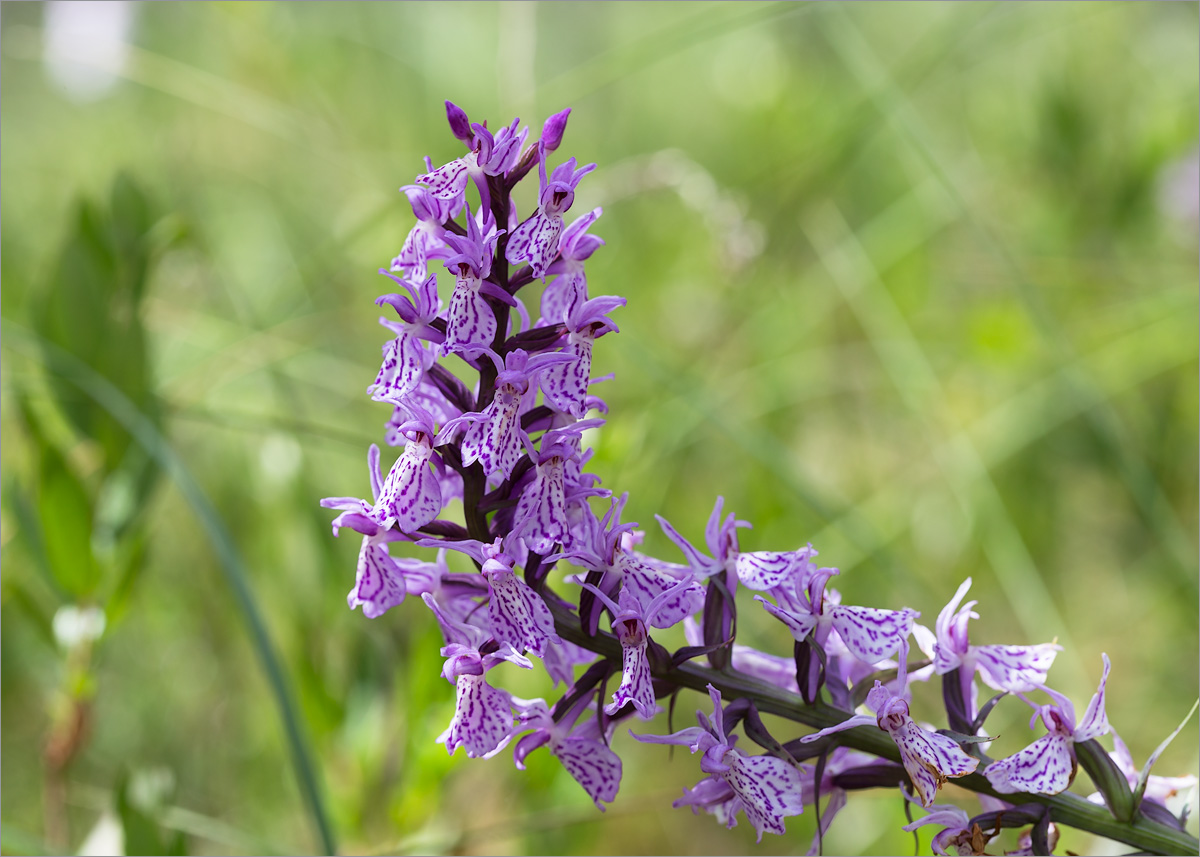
[915, 283]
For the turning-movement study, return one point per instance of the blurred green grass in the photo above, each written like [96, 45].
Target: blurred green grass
[911, 282]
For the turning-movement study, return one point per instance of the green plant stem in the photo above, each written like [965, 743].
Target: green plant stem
[1066, 808]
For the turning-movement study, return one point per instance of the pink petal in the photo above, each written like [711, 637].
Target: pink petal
[482, 721]
[769, 789]
[449, 181]
[636, 686]
[594, 766]
[930, 759]
[1044, 767]
[379, 583]
[763, 570]
[871, 634]
[1017, 669]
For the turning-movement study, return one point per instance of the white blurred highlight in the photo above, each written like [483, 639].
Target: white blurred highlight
[86, 46]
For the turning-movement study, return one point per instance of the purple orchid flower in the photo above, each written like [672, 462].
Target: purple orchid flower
[630, 623]
[574, 248]
[425, 240]
[517, 615]
[767, 570]
[580, 748]
[541, 516]
[1047, 766]
[1016, 669]
[471, 323]
[483, 719]
[958, 835]
[566, 385]
[489, 155]
[929, 758]
[604, 546]
[405, 359]
[495, 440]
[766, 788]
[721, 539]
[536, 240]
[871, 634]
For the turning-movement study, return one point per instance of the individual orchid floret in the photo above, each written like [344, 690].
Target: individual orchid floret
[766, 788]
[574, 248]
[411, 495]
[553, 129]
[630, 623]
[489, 155]
[958, 836]
[405, 359]
[929, 757]
[541, 516]
[767, 570]
[536, 240]
[566, 385]
[871, 634]
[471, 323]
[516, 614]
[580, 748]
[720, 536]
[425, 240]
[495, 440]
[604, 546]
[1016, 669]
[483, 720]
[1047, 766]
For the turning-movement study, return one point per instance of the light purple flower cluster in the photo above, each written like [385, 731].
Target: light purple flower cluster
[511, 448]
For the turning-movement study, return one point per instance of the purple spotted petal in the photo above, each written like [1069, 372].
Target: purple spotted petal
[800, 624]
[494, 442]
[518, 615]
[871, 634]
[541, 514]
[1046, 766]
[1095, 720]
[411, 495]
[535, 241]
[450, 181]
[645, 583]
[483, 720]
[715, 796]
[769, 789]
[764, 570]
[379, 583]
[594, 766]
[565, 384]
[930, 759]
[404, 360]
[1017, 669]
[636, 686]
[471, 324]
[556, 299]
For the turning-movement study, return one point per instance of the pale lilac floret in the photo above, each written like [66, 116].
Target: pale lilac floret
[579, 748]
[470, 322]
[602, 546]
[483, 721]
[574, 248]
[869, 633]
[958, 835]
[516, 614]
[629, 624]
[425, 240]
[541, 516]
[928, 757]
[536, 240]
[1016, 669]
[495, 440]
[1047, 766]
[405, 358]
[566, 385]
[766, 788]
[720, 536]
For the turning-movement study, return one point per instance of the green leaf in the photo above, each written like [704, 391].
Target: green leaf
[65, 513]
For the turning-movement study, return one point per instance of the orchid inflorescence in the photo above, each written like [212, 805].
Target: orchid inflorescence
[511, 449]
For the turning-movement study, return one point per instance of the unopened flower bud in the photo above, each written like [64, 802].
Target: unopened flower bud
[460, 125]
[552, 131]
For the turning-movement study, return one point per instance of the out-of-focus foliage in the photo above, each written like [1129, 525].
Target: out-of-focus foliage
[916, 283]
